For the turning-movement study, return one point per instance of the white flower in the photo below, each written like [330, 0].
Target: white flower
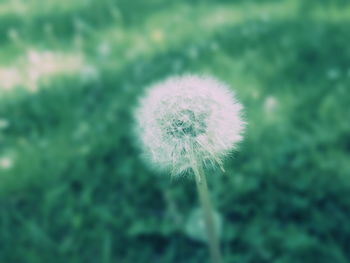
[188, 118]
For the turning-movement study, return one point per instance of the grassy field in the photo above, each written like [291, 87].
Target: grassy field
[72, 186]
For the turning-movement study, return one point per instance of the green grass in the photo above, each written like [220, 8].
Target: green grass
[77, 190]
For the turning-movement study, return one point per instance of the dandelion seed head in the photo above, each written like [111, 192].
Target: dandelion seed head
[187, 117]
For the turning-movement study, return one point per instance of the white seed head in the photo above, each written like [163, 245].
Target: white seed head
[188, 118]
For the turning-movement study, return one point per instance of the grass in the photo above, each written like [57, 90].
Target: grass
[76, 190]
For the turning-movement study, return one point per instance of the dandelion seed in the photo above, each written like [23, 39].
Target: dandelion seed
[190, 122]
[186, 118]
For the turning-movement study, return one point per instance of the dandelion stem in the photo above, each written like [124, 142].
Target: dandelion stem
[208, 212]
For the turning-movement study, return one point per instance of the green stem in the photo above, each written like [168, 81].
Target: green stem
[202, 188]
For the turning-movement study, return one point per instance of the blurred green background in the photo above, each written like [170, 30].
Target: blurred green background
[72, 186]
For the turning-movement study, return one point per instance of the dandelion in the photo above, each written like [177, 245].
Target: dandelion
[189, 123]
[186, 119]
